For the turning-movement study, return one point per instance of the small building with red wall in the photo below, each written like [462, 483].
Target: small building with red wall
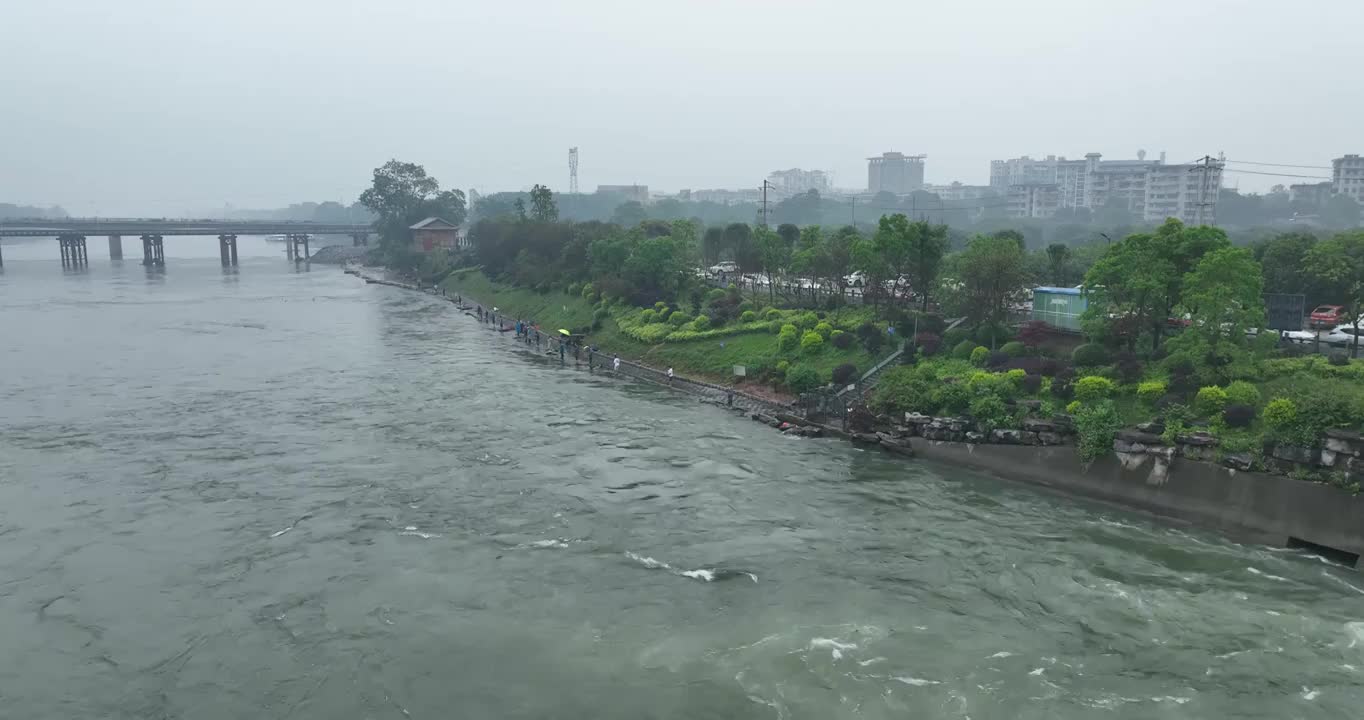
[434, 233]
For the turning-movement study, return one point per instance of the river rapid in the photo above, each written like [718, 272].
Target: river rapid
[270, 493]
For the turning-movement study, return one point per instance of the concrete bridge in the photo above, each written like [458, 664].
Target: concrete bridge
[72, 232]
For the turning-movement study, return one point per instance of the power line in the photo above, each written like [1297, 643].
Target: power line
[1270, 164]
[1260, 172]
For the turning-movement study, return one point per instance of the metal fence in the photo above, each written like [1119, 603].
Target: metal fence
[717, 393]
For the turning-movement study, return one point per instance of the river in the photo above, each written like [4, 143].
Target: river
[278, 494]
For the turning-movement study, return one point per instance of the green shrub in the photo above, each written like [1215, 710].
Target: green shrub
[748, 316]
[1014, 349]
[989, 412]
[660, 306]
[588, 291]
[1093, 388]
[678, 319]
[575, 289]
[903, 389]
[779, 372]
[664, 314]
[745, 306]
[1089, 355]
[982, 383]
[700, 323]
[824, 329]
[951, 397]
[788, 339]
[1015, 377]
[647, 316]
[979, 355]
[963, 349]
[774, 326]
[844, 374]
[1073, 407]
[771, 314]
[1151, 392]
[811, 342]
[1096, 425]
[1243, 393]
[807, 320]
[1279, 416]
[715, 294]
[803, 379]
[841, 340]
[1210, 401]
[600, 314]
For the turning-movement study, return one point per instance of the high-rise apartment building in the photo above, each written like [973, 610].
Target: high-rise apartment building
[895, 173]
[1150, 189]
[796, 181]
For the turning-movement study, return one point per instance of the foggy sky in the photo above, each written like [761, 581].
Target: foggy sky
[158, 107]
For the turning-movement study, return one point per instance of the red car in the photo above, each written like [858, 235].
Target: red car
[1326, 316]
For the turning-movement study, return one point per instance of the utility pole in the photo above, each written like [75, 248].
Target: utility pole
[852, 208]
[573, 170]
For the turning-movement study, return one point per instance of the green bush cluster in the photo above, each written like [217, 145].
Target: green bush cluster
[782, 367]
[979, 355]
[788, 339]
[963, 349]
[1089, 355]
[748, 316]
[1150, 392]
[1093, 388]
[1210, 401]
[678, 319]
[824, 329]
[1243, 393]
[1096, 425]
[647, 316]
[771, 314]
[700, 323]
[660, 306]
[811, 342]
[1279, 416]
[802, 379]
[588, 292]
[989, 412]
[1014, 349]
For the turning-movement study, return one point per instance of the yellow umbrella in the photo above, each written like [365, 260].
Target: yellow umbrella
[564, 332]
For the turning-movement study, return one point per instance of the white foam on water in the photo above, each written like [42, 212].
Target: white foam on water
[1309, 693]
[647, 562]
[1355, 630]
[1275, 613]
[1261, 573]
[1342, 581]
[277, 533]
[1347, 666]
[558, 543]
[417, 533]
[819, 642]
[1002, 654]
[410, 527]
[1232, 654]
[873, 661]
[1172, 698]
[916, 682]
[702, 574]
[1037, 671]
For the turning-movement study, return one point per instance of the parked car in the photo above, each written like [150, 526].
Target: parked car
[1326, 316]
[1343, 336]
[1302, 337]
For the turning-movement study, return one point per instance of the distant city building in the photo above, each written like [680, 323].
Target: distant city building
[1312, 195]
[1150, 189]
[1033, 200]
[959, 192]
[796, 181]
[728, 197]
[626, 193]
[895, 173]
[1347, 177]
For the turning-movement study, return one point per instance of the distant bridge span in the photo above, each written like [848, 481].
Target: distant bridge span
[71, 234]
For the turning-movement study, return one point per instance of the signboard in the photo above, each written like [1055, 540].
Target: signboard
[740, 370]
[1284, 311]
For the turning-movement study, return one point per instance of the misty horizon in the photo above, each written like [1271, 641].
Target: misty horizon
[158, 108]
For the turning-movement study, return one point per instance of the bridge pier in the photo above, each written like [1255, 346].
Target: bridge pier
[293, 241]
[227, 249]
[2, 258]
[115, 247]
[73, 251]
[153, 251]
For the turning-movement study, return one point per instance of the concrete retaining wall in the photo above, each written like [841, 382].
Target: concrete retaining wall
[1265, 508]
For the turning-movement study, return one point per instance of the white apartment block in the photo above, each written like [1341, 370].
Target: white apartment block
[1347, 177]
[796, 181]
[1150, 189]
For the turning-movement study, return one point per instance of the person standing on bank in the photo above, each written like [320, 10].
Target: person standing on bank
[615, 363]
[670, 376]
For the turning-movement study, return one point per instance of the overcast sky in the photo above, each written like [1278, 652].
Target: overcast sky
[158, 107]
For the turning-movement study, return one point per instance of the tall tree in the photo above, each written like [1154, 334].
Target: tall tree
[991, 271]
[542, 206]
[1341, 211]
[1058, 258]
[892, 242]
[1281, 261]
[927, 246]
[629, 214]
[402, 194]
[1222, 295]
[712, 244]
[775, 254]
[739, 240]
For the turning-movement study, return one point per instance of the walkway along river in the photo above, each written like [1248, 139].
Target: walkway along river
[290, 494]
